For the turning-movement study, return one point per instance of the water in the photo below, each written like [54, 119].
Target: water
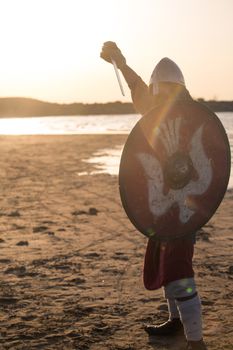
[106, 160]
[69, 125]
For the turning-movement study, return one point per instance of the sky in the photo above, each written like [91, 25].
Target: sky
[50, 48]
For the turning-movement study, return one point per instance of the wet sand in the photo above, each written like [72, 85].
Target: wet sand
[71, 262]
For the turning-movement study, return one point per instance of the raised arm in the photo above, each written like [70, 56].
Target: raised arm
[139, 90]
[111, 51]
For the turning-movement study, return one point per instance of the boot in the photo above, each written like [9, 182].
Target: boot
[170, 327]
[196, 345]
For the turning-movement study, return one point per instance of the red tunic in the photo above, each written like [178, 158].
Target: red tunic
[164, 261]
[167, 261]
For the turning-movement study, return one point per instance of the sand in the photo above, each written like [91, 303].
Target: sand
[71, 262]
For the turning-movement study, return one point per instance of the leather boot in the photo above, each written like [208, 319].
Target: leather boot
[170, 327]
[196, 345]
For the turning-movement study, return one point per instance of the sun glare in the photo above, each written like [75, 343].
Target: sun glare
[49, 40]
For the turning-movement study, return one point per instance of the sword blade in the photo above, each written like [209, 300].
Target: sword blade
[118, 76]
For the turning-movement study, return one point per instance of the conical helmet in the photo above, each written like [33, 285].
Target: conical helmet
[166, 71]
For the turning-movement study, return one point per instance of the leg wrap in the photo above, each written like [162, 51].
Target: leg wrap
[191, 317]
[188, 304]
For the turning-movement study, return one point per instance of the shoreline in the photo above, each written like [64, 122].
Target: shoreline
[120, 139]
[102, 113]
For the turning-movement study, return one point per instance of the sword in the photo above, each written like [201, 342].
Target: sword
[118, 76]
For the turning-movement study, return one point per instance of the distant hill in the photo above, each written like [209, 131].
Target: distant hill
[218, 106]
[25, 107]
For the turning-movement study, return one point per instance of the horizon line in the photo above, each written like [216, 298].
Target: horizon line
[91, 103]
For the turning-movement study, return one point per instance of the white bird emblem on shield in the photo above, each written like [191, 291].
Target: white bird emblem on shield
[159, 204]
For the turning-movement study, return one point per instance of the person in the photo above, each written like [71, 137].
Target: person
[167, 264]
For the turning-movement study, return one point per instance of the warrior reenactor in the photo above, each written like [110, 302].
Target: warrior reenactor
[168, 263]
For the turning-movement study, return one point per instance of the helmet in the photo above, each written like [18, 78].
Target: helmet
[166, 71]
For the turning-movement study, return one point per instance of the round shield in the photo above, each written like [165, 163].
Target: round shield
[174, 170]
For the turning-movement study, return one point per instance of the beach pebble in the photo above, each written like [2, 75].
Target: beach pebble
[78, 212]
[39, 229]
[8, 300]
[28, 317]
[207, 302]
[120, 257]
[5, 261]
[18, 271]
[78, 280]
[71, 333]
[92, 255]
[93, 211]
[22, 243]
[14, 214]
[51, 233]
[18, 227]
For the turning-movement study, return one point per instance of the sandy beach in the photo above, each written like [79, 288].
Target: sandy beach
[71, 262]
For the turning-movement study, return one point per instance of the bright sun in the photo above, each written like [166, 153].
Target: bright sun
[48, 40]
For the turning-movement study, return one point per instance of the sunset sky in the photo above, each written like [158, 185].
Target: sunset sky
[50, 48]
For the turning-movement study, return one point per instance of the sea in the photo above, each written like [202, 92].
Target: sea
[106, 160]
